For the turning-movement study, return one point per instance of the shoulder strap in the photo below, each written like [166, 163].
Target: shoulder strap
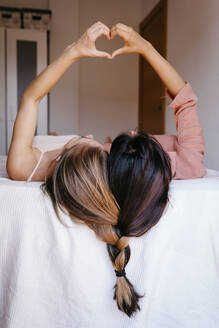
[36, 167]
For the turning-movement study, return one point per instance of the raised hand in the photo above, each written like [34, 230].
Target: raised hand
[85, 46]
[134, 43]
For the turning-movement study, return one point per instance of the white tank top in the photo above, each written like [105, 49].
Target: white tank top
[47, 144]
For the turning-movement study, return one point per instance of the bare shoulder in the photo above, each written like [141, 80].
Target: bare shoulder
[20, 164]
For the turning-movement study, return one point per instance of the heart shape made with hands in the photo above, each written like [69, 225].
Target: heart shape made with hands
[130, 37]
[109, 46]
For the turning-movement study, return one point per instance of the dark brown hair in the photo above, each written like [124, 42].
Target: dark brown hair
[139, 174]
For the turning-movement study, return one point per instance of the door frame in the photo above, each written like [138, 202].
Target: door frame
[162, 5]
[2, 94]
[40, 37]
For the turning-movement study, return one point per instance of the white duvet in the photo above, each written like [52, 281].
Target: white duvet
[58, 277]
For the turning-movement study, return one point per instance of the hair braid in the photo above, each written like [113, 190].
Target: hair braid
[139, 174]
[125, 294]
[119, 252]
[79, 186]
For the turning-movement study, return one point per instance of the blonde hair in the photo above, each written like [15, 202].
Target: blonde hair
[79, 185]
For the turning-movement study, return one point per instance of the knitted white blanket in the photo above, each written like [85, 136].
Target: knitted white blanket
[58, 277]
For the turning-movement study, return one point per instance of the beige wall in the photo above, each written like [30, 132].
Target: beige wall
[108, 90]
[95, 96]
[64, 97]
[193, 50]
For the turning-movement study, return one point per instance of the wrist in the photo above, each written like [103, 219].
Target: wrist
[146, 48]
[72, 51]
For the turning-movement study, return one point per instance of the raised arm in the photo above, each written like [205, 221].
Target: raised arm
[134, 43]
[187, 148]
[22, 157]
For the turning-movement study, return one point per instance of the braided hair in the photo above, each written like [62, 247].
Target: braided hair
[139, 174]
[79, 185]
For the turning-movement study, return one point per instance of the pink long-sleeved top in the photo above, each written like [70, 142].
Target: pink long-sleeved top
[186, 149]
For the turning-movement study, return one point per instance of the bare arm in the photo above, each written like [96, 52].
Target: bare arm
[171, 79]
[22, 157]
[189, 146]
[134, 43]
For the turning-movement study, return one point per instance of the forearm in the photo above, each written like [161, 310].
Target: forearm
[26, 119]
[171, 79]
[135, 43]
[46, 80]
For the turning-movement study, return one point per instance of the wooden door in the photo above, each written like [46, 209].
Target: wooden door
[151, 89]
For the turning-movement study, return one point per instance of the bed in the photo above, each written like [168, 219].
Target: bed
[44, 282]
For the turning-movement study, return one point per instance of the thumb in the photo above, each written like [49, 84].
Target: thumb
[119, 51]
[98, 53]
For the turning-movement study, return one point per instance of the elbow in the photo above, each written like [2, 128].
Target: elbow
[187, 172]
[9, 169]
[202, 172]
[12, 172]
[27, 97]
[15, 170]
[197, 171]
[191, 164]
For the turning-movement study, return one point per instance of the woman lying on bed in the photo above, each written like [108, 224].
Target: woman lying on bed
[134, 195]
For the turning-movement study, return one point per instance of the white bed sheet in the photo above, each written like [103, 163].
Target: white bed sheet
[53, 276]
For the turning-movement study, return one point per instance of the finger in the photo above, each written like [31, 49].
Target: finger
[113, 31]
[94, 26]
[120, 27]
[119, 51]
[123, 26]
[98, 27]
[104, 54]
[105, 27]
[101, 31]
[118, 31]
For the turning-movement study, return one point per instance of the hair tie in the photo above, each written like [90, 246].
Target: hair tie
[121, 273]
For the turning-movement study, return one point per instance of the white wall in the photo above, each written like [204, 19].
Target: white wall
[64, 97]
[108, 90]
[193, 50]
